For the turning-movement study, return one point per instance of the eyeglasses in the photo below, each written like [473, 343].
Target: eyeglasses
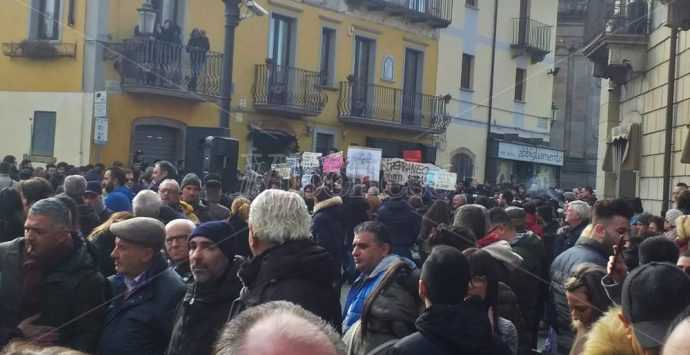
[478, 281]
[180, 239]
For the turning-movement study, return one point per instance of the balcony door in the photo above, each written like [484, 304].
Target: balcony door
[364, 76]
[281, 47]
[412, 87]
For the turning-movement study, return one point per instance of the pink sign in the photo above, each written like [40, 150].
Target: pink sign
[333, 163]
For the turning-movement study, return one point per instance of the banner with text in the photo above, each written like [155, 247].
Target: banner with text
[283, 169]
[333, 163]
[400, 171]
[363, 162]
[311, 160]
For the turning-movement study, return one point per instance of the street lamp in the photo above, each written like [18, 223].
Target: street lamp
[147, 18]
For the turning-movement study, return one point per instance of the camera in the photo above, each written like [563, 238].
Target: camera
[257, 9]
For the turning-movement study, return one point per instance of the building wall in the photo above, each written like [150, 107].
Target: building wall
[471, 32]
[576, 95]
[645, 96]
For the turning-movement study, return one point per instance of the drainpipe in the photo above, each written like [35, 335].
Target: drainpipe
[669, 119]
[491, 92]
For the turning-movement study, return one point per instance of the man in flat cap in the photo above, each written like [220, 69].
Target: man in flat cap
[207, 304]
[145, 291]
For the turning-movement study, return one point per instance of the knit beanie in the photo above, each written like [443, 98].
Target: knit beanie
[672, 215]
[191, 179]
[219, 232]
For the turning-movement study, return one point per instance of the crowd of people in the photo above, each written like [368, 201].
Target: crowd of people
[148, 261]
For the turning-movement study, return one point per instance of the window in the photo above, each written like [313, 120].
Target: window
[282, 41]
[467, 75]
[464, 166]
[43, 133]
[520, 76]
[45, 19]
[327, 56]
[324, 142]
[364, 58]
[169, 10]
[472, 3]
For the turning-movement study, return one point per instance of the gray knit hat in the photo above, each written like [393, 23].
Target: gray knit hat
[146, 231]
[191, 179]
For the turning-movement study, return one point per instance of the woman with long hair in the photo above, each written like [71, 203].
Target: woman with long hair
[104, 241]
[587, 300]
[11, 214]
[239, 213]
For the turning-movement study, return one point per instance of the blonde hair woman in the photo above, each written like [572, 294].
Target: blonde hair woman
[239, 214]
[683, 230]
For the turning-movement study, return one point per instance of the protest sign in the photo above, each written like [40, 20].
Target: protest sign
[414, 156]
[283, 170]
[306, 179]
[444, 180]
[310, 160]
[294, 165]
[363, 162]
[400, 171]
[333, 163]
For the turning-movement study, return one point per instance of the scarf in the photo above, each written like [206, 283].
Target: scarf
[35, 269]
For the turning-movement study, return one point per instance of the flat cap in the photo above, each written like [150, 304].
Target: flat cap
[146, 231]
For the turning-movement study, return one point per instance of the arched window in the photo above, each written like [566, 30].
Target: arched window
[464, 166]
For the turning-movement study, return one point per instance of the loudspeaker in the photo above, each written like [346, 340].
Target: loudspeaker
[220, 157]
[194, 149]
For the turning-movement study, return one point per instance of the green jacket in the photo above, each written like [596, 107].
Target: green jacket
[72, 296]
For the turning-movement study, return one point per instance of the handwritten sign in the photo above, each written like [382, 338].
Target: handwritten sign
[444, 180]
[333, 163]
[283, 169]
[311, 160]
[363, 162]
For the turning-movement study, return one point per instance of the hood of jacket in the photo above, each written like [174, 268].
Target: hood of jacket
[327, 204]
[458, 329]
[293, 259]
[502, 252]
[607, 336]
[385, 264]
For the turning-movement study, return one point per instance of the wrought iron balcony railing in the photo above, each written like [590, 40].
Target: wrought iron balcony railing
[615, 17]
[288, 91]
[394, 108]
[39, 49]
[163, 68]
[532, 36]
[438, 13]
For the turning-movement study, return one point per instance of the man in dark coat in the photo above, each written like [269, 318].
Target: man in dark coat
[611, 219]
[576, 217]
[327, 224]
[75, 187]
[145, 291]
[206, 306]
[288, 265]
[189, 193]
[50, 287]
[402, 221]
[450, 324]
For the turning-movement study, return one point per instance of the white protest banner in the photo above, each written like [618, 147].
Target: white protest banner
[306, 179]
[400, 171]
[294, 164]
[310, 160]
[283, 169]
[444, 180]
[363, 162]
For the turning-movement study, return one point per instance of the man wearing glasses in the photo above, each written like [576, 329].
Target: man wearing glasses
[176, 233]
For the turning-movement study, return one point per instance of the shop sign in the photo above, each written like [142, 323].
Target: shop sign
[530, 154]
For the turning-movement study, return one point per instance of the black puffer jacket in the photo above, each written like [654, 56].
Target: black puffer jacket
[402, 222]
[508, 307]
[241, 237]
[203, 313]
[327, 227]
[453, 330]
[567, 237]
[356, 211]
[298, 271]
[88, 218]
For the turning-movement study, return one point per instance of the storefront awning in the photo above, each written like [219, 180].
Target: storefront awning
[623, 149]
[273, 126]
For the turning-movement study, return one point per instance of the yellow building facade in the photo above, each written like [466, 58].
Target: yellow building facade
[307, 76]
[496, 60]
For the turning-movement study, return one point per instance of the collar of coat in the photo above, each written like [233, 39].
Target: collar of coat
[607, 336]
[333, 201]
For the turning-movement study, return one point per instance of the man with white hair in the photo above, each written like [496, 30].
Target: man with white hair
[577, 215]
[287, 264]
[75, 187]
[176, 234]
[146, 204]
[278, 328]
[169, 192]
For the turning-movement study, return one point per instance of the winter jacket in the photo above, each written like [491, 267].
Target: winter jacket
[71, 298]
[202, 212]
[454, 330]
[241, 237]
[393, 309]
[402, 222]
[298, 271]
[11, 227]
[88, 218]
[119, 200]
[585, 251]
[203, 313]
[549, 238]
[327, 228]
[507, 307]
[364, 285]
[355, 212]
[105, 243]
[142, 323]
[217, 211]
[567, 237]
[607, 336]
[528, 285]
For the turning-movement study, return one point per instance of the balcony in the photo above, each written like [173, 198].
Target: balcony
[615, 38]
[288, 91]
[531, 37]
[153, 67]
[384, 107]
[39, 49]
[436, 13]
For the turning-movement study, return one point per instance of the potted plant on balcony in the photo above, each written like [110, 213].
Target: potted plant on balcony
[32, 48]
